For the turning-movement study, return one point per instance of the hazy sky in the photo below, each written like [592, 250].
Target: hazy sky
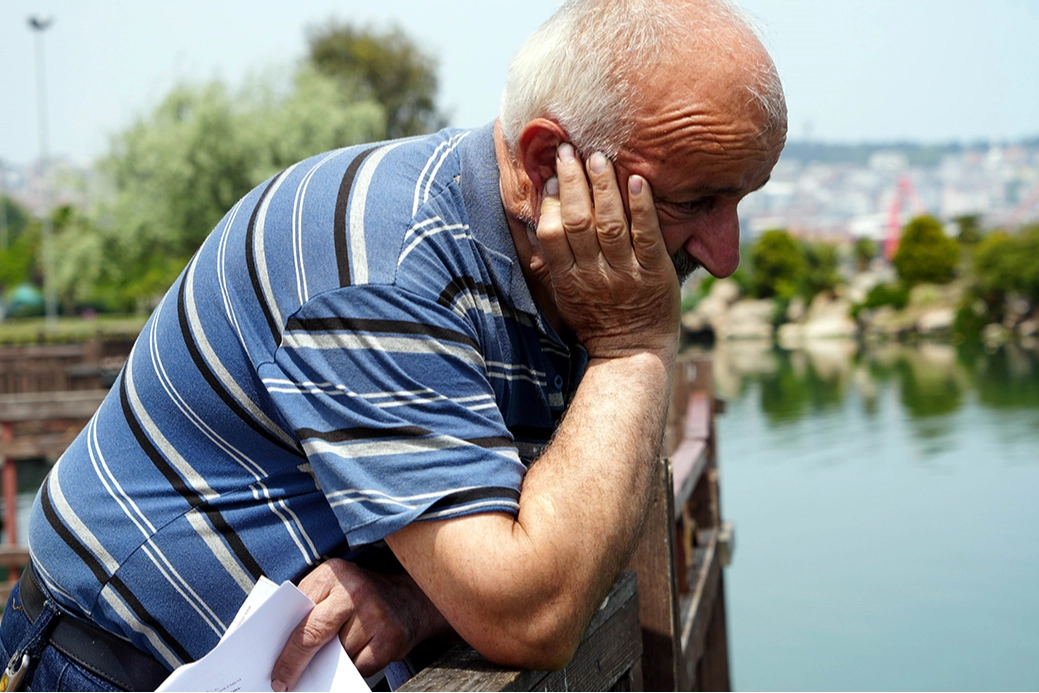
[854, 70]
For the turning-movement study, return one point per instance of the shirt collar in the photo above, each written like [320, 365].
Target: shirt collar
[481, 194]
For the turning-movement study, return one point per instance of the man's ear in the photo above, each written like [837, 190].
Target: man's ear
[537, 149]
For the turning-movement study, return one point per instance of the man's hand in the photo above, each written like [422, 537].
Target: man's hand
[613, 282]
[379, 617]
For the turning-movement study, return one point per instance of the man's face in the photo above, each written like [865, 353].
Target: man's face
[701, 155]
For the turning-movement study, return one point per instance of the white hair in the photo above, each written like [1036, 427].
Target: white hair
[582, 67]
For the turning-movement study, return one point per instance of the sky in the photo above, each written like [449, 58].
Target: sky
[854, 70]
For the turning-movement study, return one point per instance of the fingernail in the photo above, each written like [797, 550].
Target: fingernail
[565, 152]
[597, 163]
[278, 686]
[635, 185]
[552, 186]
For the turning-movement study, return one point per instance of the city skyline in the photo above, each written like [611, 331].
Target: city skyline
[854, 72]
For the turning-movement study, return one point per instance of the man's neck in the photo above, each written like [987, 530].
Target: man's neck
[518, 198]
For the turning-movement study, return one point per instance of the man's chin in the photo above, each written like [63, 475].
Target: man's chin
[685, 264]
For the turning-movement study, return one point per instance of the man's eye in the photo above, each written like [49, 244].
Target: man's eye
[697, 205]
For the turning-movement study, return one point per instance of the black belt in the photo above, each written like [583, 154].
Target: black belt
[105, 654]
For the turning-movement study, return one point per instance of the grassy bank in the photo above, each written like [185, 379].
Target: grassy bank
[24, 331]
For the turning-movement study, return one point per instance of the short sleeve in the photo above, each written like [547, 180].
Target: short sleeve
[388, 394]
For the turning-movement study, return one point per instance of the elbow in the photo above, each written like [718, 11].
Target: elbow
[544, 639]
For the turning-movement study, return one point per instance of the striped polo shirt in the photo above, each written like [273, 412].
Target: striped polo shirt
[352, 349]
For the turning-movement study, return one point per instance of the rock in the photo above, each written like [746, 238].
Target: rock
[713, 309]
[695, 322]
[860, 284]
[1029, 328]
[995, 334]
[885, 321]
[795, 312]
[725, 290]
[827, 318]
[937, 321]
[790, 335]
[830, 327]
[750, 319]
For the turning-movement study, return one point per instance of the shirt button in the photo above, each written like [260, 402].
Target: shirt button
[559, 382]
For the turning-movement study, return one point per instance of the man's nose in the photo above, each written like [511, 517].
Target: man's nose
[719, 242]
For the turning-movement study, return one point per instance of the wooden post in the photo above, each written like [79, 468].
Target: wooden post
[654, 561]
[10, 487]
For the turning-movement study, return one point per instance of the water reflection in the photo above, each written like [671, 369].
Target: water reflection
[931, 381]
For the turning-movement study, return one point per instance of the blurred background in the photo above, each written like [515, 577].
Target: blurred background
[878, 347]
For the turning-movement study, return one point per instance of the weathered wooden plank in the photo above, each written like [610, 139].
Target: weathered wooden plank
[32, 406]
[38, 352]
[726, 543]
[712, 672]
[690, 461]
[610, 648]
[605, 655]
[14, 559]
[49, 445]
[697, 608]
[654, 560]
[14, 555]
[698, 416]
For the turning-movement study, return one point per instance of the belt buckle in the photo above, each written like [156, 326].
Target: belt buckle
[14, 673]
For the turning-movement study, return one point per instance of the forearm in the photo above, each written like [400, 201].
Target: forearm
[584, 501]
[528, 586]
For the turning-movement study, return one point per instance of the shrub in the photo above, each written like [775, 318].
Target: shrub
[778, 265]
[926, 254]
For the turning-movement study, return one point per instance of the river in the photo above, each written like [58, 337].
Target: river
[886, 504]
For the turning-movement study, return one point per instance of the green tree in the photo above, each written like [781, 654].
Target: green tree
[865, 250]
[969, 229]
[389, 67]
[16, 218]
[1005, 263]
[925, 253]
[778, 265]
[179, 169]
[821, 273]
[18, 260]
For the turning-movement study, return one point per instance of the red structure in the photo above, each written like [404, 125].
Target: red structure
[905, 193]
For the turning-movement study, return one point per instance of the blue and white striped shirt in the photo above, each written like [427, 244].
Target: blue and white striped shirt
[352, 349]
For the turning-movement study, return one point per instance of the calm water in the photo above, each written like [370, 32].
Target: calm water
[887, 517]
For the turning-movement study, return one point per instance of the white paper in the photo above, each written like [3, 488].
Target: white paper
[245, 656]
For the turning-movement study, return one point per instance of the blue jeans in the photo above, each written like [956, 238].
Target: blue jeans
[49, 669]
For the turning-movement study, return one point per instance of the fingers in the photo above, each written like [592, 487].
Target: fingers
[610, 220]
[318, 628]
[578, 215]
[646, 239]
[550, 233]
[333, 608]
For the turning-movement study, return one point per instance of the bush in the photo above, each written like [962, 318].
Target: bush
[926, 254]
[865, 251]
[1005, 263]
[821, 275]
[894, 295]
[778, 265]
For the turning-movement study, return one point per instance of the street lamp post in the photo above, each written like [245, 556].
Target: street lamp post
[39, 25]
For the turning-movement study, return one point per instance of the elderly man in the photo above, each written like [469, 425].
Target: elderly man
[380, 344]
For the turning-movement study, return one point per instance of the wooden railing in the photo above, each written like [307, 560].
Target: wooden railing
[662, 626]
[47, 394]
[679, 639]
[61, 367]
